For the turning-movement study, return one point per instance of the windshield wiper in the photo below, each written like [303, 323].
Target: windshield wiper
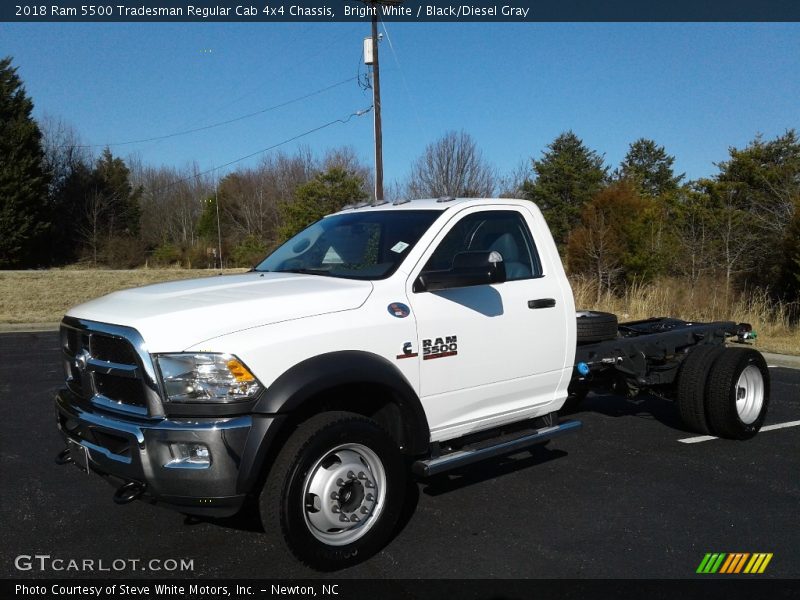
[324, 272]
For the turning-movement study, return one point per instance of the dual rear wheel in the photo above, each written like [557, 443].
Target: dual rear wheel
[723, 391]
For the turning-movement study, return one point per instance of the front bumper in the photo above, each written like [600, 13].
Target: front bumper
[138, 450]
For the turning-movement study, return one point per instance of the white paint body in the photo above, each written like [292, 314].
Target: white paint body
[512, 362]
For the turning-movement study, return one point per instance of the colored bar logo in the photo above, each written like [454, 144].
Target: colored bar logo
[734, 563]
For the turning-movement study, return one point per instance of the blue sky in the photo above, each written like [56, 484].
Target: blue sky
[695, 88]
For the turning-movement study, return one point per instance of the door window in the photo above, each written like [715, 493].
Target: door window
[503, 231]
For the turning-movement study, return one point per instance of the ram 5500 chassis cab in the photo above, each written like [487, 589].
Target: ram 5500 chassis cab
[384, 341]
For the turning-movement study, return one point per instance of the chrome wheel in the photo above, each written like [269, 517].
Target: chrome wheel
[344, 494]
[749, 394]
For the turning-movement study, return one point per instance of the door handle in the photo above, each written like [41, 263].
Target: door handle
[542, 303]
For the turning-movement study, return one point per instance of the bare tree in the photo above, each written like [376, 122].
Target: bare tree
[452, 166]
[171, 202]
[736, 241]
[595, 247]
[63, 150]
[248, 201]
[692, 231]
[95, 210]
[511, 184]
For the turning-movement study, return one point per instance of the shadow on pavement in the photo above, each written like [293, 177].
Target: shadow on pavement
[488, 469]
[644, 406]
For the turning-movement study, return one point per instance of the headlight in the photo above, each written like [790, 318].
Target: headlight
[190, 377]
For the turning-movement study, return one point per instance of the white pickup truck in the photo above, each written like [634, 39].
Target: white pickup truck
[384, 341]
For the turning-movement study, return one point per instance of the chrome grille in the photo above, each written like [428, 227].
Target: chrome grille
[120, 389]
[103, 365]
[112, 349]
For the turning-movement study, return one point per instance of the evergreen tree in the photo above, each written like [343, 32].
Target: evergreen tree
[649, 167]
[567, 177]
[112, 178]
[764, 182]
[109, 206]
[328, 192]
[69, 164]
[24, 222]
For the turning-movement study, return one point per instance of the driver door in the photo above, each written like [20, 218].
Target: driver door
[485, 354]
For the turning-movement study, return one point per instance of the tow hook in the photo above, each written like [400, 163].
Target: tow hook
[128, 492]
[64, 457]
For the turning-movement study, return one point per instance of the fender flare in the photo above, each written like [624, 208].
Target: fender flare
[326, 371]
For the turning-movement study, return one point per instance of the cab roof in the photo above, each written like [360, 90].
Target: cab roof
[440, 204]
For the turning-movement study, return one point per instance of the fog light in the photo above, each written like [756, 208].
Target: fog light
[189, 456]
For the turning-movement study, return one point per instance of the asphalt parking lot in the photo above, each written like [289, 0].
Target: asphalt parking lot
[621, 499]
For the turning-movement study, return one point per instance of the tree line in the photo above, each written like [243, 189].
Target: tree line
[61, 204]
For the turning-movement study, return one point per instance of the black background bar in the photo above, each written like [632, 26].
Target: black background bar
[707, 587]
[412, 11]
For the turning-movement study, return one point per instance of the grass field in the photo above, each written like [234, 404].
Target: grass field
[706, 301]
[44, 296]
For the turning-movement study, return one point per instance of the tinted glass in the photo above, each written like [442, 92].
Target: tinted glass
[503, 231]
[357, 245]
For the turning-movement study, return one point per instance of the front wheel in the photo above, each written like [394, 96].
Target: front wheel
[335, 491]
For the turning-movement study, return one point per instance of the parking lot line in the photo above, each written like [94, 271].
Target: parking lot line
[781, 425]
[705, 438]
[699, 438]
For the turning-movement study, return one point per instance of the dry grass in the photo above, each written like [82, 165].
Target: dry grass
[44, 296]
[706, 301]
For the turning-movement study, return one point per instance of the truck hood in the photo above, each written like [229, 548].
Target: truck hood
[176, 315]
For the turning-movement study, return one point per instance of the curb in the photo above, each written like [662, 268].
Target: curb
[28, 327]
[782, 360]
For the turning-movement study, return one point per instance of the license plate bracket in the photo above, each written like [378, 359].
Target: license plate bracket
[79, 454]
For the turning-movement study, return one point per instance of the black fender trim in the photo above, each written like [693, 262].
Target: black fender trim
[326, 371]
[260, 440]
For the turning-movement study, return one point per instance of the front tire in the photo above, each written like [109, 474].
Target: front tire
[335, 491]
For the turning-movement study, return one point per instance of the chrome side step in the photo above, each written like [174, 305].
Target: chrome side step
[460, 458]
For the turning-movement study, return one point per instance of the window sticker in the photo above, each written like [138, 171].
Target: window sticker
[399, 247]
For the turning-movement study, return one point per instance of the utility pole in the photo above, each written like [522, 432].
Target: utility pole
[371, 58]
[219, 226]
[376, 103]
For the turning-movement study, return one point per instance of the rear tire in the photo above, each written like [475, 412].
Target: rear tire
[335, 491]
[596, 326]
[692, 379]
[737, 396]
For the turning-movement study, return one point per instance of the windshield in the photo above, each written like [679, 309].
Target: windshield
[358, 245]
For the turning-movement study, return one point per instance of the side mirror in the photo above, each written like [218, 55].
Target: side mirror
[469, 268]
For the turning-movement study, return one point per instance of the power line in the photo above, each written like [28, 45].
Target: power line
[219, 124]
[275, 76]
[357, 113]
[402, 76]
